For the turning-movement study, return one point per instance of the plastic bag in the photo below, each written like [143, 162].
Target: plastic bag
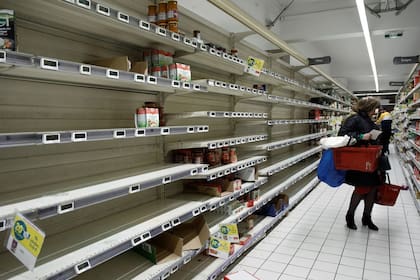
[337, 142]
[326, 170]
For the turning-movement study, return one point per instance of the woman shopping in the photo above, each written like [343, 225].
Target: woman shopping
[360, 126]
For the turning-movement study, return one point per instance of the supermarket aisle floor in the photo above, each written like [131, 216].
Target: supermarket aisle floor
[312, 242]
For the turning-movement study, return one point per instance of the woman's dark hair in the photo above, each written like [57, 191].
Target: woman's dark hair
[366, 104]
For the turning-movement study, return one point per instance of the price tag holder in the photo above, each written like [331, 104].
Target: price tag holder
[25, 241]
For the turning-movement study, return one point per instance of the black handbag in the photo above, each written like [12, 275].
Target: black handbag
[384, 164]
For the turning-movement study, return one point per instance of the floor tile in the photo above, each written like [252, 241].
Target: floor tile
[282, 258]
[297, 271]
[271, 265]
[377, 266]
[289, 277]
[320, 275]
[265, 274]
[404, 271]
[252, 262]
[345, 277]
[331, 258]
[325, 266]
[285, 250]
[375, 275]
[259, 254]
[400, 277]
[354, 262]
[350, 271]
[304, 262]
[306, 254]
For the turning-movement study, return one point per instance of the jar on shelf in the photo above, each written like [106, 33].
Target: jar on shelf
[232, 155]
[225, 155]
[156, 71]
[152, 14]
[173, 26]
[172, 11]
[161, 16]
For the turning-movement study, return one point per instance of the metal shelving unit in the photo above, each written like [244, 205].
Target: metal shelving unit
[300, 103]
[217, 114]
[304, 121]
[287, 142]
[214, 59]
[8, 140]
[221, 87]
[221, 171]
[217, 143]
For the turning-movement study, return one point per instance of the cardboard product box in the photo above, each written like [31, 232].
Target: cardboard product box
[194, 234]
[119, 63]
[180, 72]
[229, 232]
[220, 248]
[140, 67]
[7, 30]
[163, 248]
[240, 275]
[147, 117]
[233, 185]
[214, 188]
[248, 174]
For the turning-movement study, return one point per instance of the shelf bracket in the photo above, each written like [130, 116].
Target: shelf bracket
[237, 37]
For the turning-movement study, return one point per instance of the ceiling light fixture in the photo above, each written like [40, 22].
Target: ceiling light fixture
[363, 20]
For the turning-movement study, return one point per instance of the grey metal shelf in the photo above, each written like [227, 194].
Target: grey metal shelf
[61, 137]
[221, 171]
[212, 58]
[217, 143]
[52, 69]
[279, 166]
[287, 142]
[301, 103]
[221, 87]
[217, 114]
[64, 202]
[285, 122]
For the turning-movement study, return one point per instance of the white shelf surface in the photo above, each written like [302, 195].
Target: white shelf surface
[277, 167]
[412, 130]
[83, 17]
[212, 58]
[64, 202]
[33, 67]
[221, 87]
[217, 143]
[217, 114]
[221, 171]
[413, 145]
[304, 104]
[61, 137]
[303, 121]
[289, 141]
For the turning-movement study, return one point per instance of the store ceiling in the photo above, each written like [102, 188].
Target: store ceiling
[331, 28]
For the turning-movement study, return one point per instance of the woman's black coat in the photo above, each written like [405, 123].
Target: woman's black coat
[353, 126]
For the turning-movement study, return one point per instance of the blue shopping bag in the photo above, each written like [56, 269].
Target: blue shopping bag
[327, 172]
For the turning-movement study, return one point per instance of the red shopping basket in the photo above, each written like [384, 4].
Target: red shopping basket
[387, 194]
[357, 158]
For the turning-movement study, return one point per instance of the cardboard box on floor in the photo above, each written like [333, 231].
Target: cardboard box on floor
[118, 63]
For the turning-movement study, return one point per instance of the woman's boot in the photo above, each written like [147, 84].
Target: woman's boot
[367, 221]
[350, 221]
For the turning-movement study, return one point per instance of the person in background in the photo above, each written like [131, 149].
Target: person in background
[385, 121]
[365, 184]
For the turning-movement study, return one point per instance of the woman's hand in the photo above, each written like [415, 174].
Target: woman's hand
[367, 136]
